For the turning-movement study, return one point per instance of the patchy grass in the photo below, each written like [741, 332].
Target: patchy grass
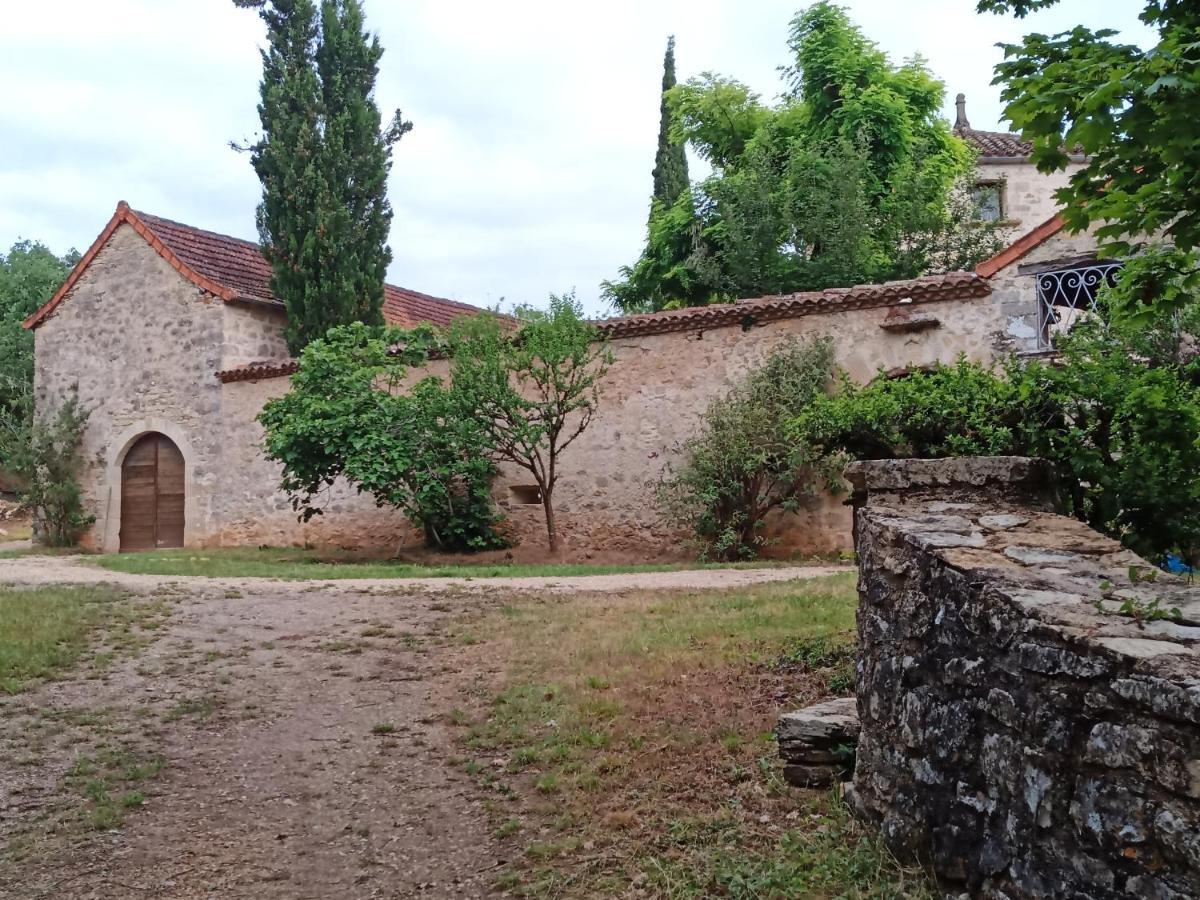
[45, 631]
[296, 564]
[106, 783]
[635, 735]
[40, 550]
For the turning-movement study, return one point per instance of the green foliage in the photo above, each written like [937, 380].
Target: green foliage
[29, 275]
[959, 410]
[670, 162]
[351, 413]
[323, 161]
[1118, 414]
[743, 464]
[1136, 114]
[48, 463]
[532, 393]
[852, 178]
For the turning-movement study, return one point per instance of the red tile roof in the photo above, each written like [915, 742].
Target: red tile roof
[258, 370]
[1004, 146]
[996, 144]
[1022, 245]
[951, 286]
[236, 271]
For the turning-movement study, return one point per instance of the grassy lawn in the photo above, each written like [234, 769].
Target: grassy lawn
[627, 745]
[45, 631]
[296, 564]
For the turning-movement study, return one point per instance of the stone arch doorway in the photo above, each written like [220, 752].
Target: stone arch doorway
[152, 494]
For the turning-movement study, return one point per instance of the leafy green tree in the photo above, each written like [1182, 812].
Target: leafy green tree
[743, 464]
[533, 392]
[1136, 114]
[670, 162]
[352, 413]
[323, 160]
[29, 275]
[1118, 414]
[851, 178]
[48, 462]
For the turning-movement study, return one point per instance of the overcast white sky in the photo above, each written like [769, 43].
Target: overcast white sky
[528, 168]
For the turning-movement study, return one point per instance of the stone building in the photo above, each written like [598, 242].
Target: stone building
[173, 341]
[1010, 189]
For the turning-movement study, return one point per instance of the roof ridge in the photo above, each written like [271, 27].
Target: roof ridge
[235, 270]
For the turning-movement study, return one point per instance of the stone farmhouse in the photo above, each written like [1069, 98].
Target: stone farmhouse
[173, 341]
[1010, 190]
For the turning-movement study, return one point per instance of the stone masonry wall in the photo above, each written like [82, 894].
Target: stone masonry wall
[141, 344]
[250, 509]
[1028, 194]
[1027, 742]
[657, 390]
[1014, 293]
[652, 400]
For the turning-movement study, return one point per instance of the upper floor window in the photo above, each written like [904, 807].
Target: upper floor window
[989, 200]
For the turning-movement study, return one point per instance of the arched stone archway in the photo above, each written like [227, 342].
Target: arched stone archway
[152, 494]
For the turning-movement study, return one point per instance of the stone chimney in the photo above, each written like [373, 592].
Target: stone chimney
[960, 107]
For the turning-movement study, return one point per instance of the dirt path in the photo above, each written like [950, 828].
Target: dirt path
[80, 570]
[303, 731]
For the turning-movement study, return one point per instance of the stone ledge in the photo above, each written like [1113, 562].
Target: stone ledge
[1035, 476]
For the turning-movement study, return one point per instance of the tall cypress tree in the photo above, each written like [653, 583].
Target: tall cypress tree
[670, 163]
[323, 161]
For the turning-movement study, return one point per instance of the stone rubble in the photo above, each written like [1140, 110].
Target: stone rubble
[1018, 730]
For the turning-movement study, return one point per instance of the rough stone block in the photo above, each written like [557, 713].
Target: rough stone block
[1027, 742]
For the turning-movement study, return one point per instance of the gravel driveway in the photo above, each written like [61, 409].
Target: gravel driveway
[304, 731]
[34, 570]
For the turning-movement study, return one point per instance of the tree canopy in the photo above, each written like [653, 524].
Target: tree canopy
[323, 160]
[1135, 113]
[352, 414]
[29, 275]
[850, 178]
[670, 162]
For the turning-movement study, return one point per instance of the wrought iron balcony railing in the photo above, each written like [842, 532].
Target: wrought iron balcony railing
[1066, 295]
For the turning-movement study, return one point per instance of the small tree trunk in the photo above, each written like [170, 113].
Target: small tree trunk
[548, 507]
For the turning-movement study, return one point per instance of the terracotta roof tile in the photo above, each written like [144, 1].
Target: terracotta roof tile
[1035, 237]
[235, 270]
[258, 370]
[951, 286]
[996, 144]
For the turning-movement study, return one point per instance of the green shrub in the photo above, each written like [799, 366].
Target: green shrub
[743, 464]
[48, 461]
[1118, 413]
[352, 414]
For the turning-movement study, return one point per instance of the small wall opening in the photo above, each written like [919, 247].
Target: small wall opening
[525, 494]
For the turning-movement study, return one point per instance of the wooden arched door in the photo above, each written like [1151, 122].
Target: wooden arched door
[152, 494]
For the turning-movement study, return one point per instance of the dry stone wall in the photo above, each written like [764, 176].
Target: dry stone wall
[1017, 729]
